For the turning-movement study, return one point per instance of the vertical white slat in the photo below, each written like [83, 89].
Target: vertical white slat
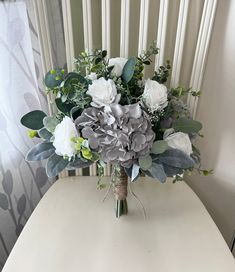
[106, 39]
[124, 28]
[203, 41]
[161, 32]
[87, 24]
[143, 28]
[78, 172]
[68, 33]
[179, 43]
[93, 170]
[44, 38]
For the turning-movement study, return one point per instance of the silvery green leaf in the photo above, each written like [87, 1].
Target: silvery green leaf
[172, 171]
[33, 119]
[145, 162]
[45, 134]
[129, 69]
[187, 125]
[50, 123]
[55, 165]
[157, 171]
[78, 163]
[135, 172]
[40, 152]
[175, 158]
[63, 107]
[159, 147]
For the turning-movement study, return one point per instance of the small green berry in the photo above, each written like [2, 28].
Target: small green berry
[32, 133]
[53, 71]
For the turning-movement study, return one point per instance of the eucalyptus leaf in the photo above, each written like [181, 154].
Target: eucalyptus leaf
[55, 165]
[159, 147]
[50, 123]
[53, 78]
[175, 158]
[40, 152]
[187, 125]
[157, 171]
[75, 112]
[33, 119]
[45, 134]
[145, 162]
[63, 107]
[129, 69]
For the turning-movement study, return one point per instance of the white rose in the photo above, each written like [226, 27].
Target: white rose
[181, 141]
[92, 76]
[155, 95]
[103, 92]
[63, 133]
[118, 64]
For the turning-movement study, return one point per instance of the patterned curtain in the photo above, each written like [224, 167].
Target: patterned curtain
[21, 90]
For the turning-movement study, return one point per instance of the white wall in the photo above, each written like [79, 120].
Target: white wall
[216, 111]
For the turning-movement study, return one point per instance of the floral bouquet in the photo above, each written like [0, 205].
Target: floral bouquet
[108, 113]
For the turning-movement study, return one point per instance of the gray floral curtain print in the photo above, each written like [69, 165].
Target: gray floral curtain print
[21, 90]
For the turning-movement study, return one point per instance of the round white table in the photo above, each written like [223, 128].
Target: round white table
[72, 230]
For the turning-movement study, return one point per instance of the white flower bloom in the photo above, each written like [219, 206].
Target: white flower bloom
[181, 141]
[103, 92]
[92, 76]
[118, 64]
[155, 95]
[63, 133]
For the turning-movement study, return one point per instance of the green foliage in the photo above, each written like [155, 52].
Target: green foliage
[45, 134]
[157, 171]
[33, 120]
[129, 69]
[55, 165]
[180, 92]
[145, 162]
[159, 147]
[187, 125]
[54, 77]
[163, 72]
[40, 152]
[175, 158]
[63, 107]
[50, 123]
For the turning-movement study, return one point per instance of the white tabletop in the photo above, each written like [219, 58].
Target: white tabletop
[71, 230]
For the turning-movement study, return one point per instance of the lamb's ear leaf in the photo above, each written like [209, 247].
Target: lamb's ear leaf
[45, 134]
[80, 164]
[135, 172]
[157, 171]
[33, 119]
[159, 147]
[129, 69]
[40, 152]
[187, 125]
[55, 165]
[174, 157]
[50, 123]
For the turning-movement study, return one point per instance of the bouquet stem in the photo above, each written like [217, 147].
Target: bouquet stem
[120, 182]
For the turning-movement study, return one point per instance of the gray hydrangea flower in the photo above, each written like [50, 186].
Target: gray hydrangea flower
[121, 134]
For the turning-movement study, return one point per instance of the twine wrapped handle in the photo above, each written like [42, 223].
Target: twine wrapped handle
[120, 186]
[120, 183]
